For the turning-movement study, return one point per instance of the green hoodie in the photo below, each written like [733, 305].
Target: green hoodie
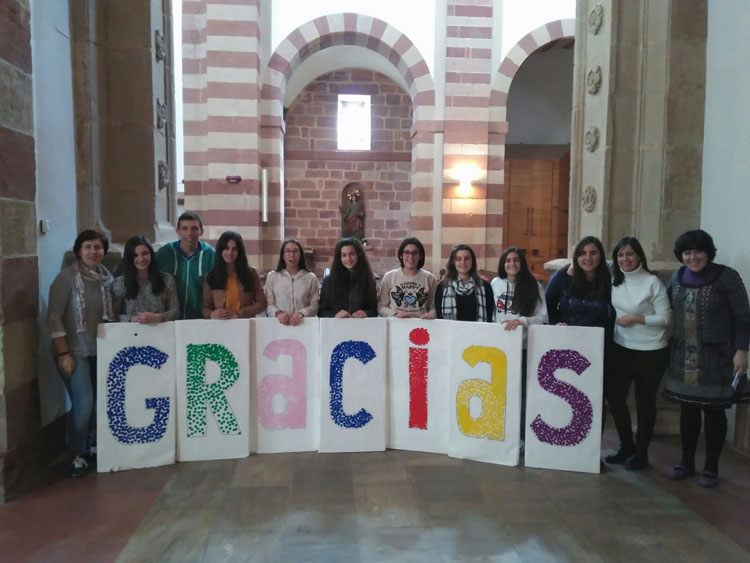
[188, 273]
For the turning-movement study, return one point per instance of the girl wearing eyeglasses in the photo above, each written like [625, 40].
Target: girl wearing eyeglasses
[408, 291]
[291, 291]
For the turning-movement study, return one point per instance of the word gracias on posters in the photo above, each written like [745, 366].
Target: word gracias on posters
[196, 390]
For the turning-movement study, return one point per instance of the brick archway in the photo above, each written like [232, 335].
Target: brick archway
[382, 38]
[526, 46]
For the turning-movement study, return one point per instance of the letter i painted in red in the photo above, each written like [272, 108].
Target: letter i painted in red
[418, 378]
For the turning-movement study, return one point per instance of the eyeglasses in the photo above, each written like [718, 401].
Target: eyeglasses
[410, 253]
[295, 251]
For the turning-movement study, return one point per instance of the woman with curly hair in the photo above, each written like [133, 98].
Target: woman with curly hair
[708, 364]
[349, 290]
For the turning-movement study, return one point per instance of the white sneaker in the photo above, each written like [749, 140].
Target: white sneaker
[78, 467]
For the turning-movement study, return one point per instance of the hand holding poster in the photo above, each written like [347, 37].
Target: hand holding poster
[285, 381]
[136, 396]
[213, 389]
[564, 400]
[485, 391]
[353, 364]
[419, 355]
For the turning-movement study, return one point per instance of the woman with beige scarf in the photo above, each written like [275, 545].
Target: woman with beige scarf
[79, 299]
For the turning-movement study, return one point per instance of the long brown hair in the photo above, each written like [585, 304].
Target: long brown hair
[526, 293]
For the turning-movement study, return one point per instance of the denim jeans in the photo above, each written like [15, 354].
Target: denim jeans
[81, 385]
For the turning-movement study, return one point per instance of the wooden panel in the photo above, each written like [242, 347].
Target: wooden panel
[537, 209]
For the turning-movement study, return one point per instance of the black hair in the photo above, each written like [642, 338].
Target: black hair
[86, 235]
[619, 277]
[190, 216]
[406, 242]
[361, 274]
[450, 269]
[526, 293]
[130, 273]
[697, 239]
[602, 282]
[217, 278]
[282, 263]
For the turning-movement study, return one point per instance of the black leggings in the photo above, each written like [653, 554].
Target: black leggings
[715, 430]
[645, 368]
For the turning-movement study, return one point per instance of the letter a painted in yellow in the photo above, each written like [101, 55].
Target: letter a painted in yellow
[491, 423]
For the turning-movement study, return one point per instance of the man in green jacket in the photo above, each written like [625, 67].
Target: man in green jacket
[188, 260]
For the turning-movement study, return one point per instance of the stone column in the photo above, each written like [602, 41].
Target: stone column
[19, 277]
[637, 131]
[222, 126]
[137, 128]
[124, 119]
[639, 92]
[467, 96]
[591, 130]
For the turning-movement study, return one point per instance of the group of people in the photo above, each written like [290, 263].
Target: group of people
[697, 328]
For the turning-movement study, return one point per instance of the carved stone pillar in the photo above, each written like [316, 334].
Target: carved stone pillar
[637, 131]
[639, 92]
[124, 119]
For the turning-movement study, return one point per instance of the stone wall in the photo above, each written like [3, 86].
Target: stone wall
[19, 278]
[316, 173]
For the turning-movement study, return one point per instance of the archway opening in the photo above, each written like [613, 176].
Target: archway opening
[317, 173]
[537, 154]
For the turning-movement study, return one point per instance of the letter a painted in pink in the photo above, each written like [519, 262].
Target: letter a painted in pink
[293, 388]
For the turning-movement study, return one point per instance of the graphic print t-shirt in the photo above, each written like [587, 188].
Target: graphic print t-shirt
[399, 293]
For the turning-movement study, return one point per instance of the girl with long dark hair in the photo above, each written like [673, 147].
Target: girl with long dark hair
[462, 295]
[232, 290]
[580, 294]
[143, 294]
[519, 301]
[640, 351]
[519, 297]
[291, 291]
[349, 290]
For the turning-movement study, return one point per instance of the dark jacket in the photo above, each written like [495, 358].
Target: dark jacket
[351, 297]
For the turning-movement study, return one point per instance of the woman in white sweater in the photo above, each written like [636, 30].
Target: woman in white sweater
[292, 291]
[641, 353]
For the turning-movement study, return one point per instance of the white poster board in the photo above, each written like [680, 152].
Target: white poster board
[135, 396]
[213, 389]
[352, 377]
[418, 381]
[485, 392]
[285, 384]
[564, 398]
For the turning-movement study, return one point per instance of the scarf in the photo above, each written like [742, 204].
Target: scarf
[101, 275]
[457, 287]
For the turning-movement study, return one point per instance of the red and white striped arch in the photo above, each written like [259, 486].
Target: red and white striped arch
[382, 38]
[533, 41]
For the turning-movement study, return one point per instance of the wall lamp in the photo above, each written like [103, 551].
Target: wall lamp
[465, 174]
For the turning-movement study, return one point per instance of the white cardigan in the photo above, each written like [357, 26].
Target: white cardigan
[642, 293]
[292, 294]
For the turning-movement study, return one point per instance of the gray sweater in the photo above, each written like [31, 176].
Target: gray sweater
[146, 301]
[61, 318]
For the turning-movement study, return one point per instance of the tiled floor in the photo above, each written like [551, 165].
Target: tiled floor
[389, 506]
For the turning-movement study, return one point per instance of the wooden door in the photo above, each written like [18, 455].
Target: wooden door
[530, 210]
